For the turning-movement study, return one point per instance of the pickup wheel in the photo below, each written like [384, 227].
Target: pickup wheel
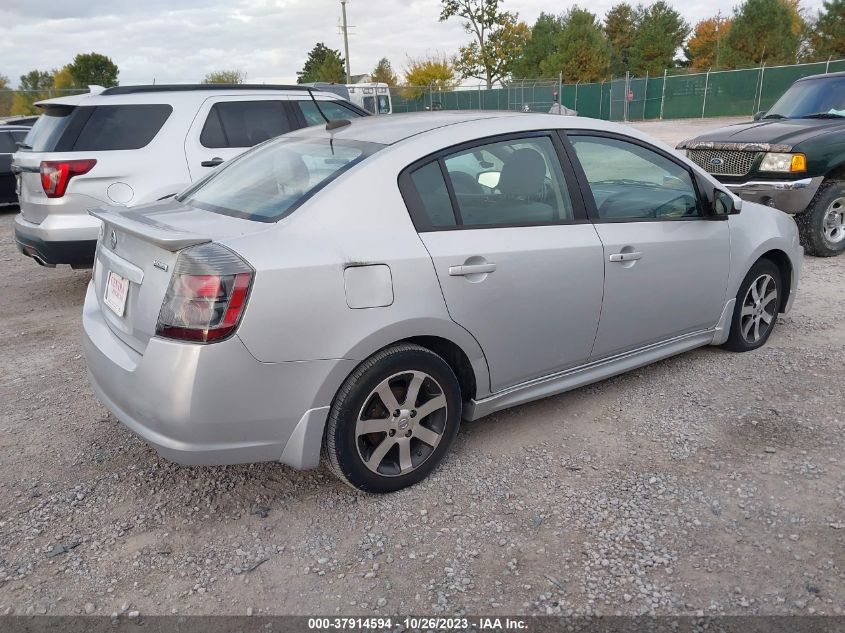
[822, 225]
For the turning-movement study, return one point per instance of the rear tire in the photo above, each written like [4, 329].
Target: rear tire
[757, 307]
[393, 419]
[822, 225]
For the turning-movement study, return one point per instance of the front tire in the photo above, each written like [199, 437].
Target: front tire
[393, 419]
[822, 225]
[757, 306]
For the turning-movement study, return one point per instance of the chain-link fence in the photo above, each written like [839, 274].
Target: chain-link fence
[670, 96]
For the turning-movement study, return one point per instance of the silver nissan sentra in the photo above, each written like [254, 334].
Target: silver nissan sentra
[353, 291]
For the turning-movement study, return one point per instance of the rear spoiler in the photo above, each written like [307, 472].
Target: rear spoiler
[147, 228]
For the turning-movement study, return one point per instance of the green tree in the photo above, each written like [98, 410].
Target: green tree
[763, 31]
[36, 80]
[224, 77]
[827, 36]
[316, 66]
[383, 73]
[580, 50]
[428, 73]
[660, 32]
[93, 69]
[332, 69]
[539, 46]
[4, 82]
[498, 38]
[620, 27]
[33, 86]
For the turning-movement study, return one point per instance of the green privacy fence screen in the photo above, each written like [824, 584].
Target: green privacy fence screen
[671, 96]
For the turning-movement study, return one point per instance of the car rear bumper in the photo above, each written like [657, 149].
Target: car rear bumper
[790, 196]
[58, 239]
[211, 404]
[29, 238]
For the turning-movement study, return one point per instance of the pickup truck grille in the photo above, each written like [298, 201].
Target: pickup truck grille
[724, 162]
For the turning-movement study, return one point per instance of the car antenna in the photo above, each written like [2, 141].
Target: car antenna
[330, 125]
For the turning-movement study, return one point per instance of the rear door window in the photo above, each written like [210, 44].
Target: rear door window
[332, 109]
[244, 123]
[120, 127]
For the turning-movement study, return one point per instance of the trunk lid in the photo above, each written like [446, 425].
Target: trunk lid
[141, 245]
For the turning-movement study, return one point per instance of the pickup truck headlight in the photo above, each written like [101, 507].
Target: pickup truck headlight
[786, 163]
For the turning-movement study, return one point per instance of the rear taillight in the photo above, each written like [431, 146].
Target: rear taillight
[55, 174]
[206, 296]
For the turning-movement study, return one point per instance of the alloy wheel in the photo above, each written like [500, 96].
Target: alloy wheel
[759, 308]
[401, 423]
[834, 221]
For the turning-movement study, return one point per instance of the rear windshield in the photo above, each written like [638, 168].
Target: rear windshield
[97, 128]
[269, 182]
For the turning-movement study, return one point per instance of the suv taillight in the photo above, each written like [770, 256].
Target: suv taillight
[55, 174]
[206, 296]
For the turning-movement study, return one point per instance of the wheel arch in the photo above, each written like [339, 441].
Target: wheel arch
[837, 172]
[781, 260]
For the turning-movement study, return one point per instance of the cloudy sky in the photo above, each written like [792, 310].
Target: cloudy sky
[181, 40]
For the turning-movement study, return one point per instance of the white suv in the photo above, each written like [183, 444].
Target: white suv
[131, 145]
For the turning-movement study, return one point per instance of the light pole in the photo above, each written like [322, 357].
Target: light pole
[345, 40]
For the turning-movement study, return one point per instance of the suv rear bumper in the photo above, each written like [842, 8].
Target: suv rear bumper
[790, 196]
[58, 240]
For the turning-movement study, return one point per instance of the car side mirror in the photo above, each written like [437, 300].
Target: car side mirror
[759, 115]
[725, 204]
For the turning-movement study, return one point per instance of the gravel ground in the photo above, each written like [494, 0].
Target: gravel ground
[711, 482]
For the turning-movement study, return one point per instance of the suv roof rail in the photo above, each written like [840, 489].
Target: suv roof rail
[129, 90]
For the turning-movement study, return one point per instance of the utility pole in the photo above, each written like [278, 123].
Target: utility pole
[346, 40]
[719, 25]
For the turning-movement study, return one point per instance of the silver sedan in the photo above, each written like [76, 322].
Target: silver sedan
[351, 292]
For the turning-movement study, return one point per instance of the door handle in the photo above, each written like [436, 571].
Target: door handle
[213, 162]
[471, 269]
[625, 257]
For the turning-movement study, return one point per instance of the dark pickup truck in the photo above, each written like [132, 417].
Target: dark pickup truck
[791, 158]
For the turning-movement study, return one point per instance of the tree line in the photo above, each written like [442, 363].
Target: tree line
[581, 46]
[85, 70]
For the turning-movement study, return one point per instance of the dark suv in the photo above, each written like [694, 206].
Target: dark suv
[791, 158]
[10, 136]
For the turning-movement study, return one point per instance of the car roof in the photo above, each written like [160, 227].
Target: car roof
[392, 128]
[822, 76]
[178, 93]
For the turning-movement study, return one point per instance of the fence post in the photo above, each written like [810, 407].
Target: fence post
[430, 95]
[706, 85]
[625, 104]
[610, 101]
[645, 95]
[760, 94]
[663, 94]
[601, 98]
[827, 66]
[575, 107]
